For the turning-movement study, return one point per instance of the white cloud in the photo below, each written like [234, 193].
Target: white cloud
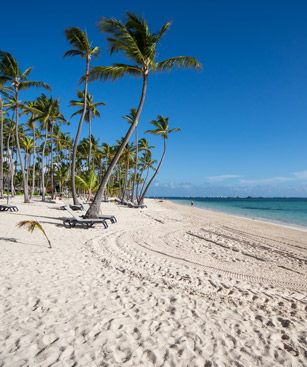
[301, 175]
[222, 178]
[266, 181]
[295, 176]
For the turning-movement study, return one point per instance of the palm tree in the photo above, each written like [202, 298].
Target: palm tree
[147, 164]
[91, 112]
[135, 40]
[3, 91]
[10, 135]
[31, 225]
[162, 129]
[11, 73]
[47, 112]
[62, 175]
[81, 47]
[88, 182]
[28, 145]
[31, 125]
[127, 160]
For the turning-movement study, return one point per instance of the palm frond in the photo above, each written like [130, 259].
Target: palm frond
[121, 39]
[31, 225]
[175, 129]
[27, 72]
[78, 112]
[162, 30]
[179, 62]
[29, 83]
[8, 65]
[78, 39]
[113, 72]
[73, 53]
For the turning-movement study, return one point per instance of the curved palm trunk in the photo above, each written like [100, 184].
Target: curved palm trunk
[1, 149]
[43, 165]
[24, 178]
[141, 200]
[143, 185]
[74, 152]
[34, 162]
[93, 211]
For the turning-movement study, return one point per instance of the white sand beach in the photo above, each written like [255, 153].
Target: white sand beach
[165, 286]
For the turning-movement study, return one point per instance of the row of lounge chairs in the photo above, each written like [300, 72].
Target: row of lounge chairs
[75, 219]
[129, 204]
[8, 207]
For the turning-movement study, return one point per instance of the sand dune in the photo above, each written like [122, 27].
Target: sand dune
[165, 286]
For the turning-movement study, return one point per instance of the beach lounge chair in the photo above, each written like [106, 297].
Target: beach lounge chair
[111, 218]
[8, 207]
[73, 207]
[137, 206]
[83, 222]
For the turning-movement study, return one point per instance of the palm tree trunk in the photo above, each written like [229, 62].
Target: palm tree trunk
[141, 200]
[1, 149]
[136, 164]
[74, 152]
[93, 211]
[9, 153]
[52, 172]
[43, 165]
[28, 165]
[147, 173]
[13, 191]
[24, 178]
[90, 142]
[125, 181]
[34, 162]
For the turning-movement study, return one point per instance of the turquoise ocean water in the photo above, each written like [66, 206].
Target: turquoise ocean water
[291, 211]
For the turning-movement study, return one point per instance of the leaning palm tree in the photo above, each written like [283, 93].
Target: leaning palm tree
[91, 112]
[134, 39]
[162, 129]
[146, 163]
[31, 225]
[10, 73]
[81, 47]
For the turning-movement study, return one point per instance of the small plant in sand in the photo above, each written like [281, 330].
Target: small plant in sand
[31, 225]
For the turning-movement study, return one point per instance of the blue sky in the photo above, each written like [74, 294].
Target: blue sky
[243, 117]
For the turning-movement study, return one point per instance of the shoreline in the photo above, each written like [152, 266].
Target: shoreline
[257, 219]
